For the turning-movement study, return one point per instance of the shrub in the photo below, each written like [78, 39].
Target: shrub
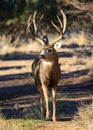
[84, 116]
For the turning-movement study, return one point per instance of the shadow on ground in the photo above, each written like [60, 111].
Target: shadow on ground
[11, 67]
[30, 56]
[20, 98]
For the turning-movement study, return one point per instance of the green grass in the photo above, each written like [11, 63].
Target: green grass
[19, 124]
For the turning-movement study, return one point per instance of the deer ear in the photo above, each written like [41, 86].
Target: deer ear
[57, 45]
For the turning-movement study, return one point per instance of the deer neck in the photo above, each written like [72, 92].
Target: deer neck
[50, 63]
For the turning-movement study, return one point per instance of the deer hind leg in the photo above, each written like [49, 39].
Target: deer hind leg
[54, 103]
[45, 92]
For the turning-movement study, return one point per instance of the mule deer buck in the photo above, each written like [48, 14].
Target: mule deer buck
[46, 69]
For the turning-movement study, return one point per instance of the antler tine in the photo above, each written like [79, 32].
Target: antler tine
[29, 20]
[62, 28]
[34, 22]
[64, 20]
[28, 30]
[41, 17]
[61, 25]
[29, 24]
[55, 26]
[39, 22]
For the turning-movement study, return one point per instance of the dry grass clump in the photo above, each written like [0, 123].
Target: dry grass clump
[10, 125]
[91, 73]
[91, 63]
[84, 116]
[26, 123]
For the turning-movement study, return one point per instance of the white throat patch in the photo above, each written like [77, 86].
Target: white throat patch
[48, 62]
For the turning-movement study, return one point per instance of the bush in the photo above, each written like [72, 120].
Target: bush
[84, 116]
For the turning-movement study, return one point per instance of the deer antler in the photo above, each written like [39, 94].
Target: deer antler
[35, 27]
[33, 32]
[62, 26]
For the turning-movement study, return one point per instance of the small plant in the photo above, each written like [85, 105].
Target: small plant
[84, 116]
[91, 70]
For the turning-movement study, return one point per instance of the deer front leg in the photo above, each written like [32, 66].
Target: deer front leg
[42, 105]
[54, 103]
[45, 92]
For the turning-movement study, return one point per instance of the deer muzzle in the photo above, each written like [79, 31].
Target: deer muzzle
[42, 54]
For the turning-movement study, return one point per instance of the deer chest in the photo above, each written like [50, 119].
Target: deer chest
[49, 73]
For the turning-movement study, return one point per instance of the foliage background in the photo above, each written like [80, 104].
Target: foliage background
[79, 12]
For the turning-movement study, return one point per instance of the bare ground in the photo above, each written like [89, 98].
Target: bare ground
[19, 96]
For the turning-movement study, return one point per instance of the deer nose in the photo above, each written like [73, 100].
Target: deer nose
[42, 54]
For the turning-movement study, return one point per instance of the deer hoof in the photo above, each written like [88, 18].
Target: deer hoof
[54, 119]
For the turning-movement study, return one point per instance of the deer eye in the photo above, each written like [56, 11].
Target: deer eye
[49, 50]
